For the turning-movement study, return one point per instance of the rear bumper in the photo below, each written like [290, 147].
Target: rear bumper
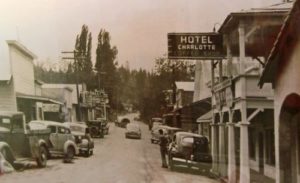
[133, 135]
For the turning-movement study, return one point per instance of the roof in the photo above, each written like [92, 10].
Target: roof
[35, 97]
[268, 75]
[188, 134]
[10, 113]
[207, 117]
[272, 10]
[58, 86]
[46, 123]
[5, 78]
[21, 48]
[184, 85]
[70, 86]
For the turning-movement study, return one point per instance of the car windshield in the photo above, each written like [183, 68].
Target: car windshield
[77, 129]
[133, 127]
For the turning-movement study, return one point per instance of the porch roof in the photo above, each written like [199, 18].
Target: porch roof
[207, 117]
[38, 98]
[273, 60]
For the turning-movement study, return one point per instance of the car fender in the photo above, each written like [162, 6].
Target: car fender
[69, 143]
[11, 158]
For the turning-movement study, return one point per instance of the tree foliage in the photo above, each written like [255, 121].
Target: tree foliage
[106, 66]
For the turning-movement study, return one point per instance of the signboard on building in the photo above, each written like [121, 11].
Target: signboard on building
[51, 107]
[195, 46]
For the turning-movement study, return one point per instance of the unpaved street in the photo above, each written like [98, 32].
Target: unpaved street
[115, 160]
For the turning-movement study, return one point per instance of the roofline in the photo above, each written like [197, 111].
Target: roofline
[21, 48]
[274, 51]
[279, 12]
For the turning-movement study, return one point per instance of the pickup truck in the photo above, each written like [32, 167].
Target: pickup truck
[18, 143]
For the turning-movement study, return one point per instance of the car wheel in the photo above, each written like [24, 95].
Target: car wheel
[152, 142]
[91, 152]
[42, 159]
[87, 153]
[7, 155]
[69, 155]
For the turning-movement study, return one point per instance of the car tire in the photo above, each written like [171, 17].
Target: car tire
[7, 155]
[152, 142]
[69, 155]
[91, 152]
[86, 153]
[42, 159]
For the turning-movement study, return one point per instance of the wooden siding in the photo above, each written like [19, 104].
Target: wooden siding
[7, 97]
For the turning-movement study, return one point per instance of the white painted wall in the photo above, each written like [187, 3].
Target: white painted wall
[202, 77]
[287, 82]
[22, 71]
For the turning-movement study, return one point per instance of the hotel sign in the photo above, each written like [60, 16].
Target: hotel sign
[195, 46]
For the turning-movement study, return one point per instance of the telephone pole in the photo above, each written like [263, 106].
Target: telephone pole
[76, 55]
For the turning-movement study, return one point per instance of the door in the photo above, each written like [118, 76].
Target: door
[53, 137]
[19, 141]
[62, 137]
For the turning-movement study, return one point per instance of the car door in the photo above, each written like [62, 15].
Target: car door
[62, 137]
[19, 141]
[53, 137]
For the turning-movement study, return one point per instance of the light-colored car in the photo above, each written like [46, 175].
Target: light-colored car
[167, 130]
[133, 131]
[82, 136]
[61, 141]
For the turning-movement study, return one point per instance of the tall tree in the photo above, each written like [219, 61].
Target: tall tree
[106, 65]
[83, 48]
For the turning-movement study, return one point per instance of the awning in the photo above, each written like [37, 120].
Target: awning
[205, 118]
[38, 98]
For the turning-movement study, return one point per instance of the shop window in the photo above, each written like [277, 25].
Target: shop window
[270, 147]
[252, 139]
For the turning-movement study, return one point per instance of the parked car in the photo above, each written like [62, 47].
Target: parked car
[133, 130]
[18, 141]
[191, 150]
[168, 131]
[122, 122]
[61, 142]
[104, 126]
[155, 122]
[82, 136]
[96, 128]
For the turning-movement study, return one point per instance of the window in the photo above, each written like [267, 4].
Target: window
[61, 130]
[52, 129]
[270, 147]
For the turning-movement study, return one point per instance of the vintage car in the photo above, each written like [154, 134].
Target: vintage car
[18, 142]
[82, 136]
[61, 142]
[122, 122]
[155, 122]
[133, 130]
[191, 150]
[97, 127]
[168, 131]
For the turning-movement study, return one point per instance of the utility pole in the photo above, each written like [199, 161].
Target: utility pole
[75, 58]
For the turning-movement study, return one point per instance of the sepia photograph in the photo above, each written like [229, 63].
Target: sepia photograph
[149, 91]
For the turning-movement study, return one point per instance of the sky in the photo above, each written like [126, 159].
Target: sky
[138, 28]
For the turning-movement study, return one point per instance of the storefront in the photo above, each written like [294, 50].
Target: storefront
[242, 124]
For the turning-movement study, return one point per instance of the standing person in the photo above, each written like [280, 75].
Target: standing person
[163, 142]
